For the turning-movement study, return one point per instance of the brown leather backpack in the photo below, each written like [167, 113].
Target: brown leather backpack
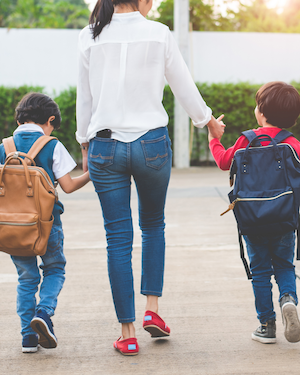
[27, 197]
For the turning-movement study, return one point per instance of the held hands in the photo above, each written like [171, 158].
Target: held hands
[84, 151]
[84, 162]
[216, 128]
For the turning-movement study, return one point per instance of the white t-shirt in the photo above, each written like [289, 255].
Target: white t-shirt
[63, 162]
[122, 77]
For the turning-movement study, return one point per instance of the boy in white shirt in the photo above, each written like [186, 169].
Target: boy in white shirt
[38, 115]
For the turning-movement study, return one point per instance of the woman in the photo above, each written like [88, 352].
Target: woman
[121, 126]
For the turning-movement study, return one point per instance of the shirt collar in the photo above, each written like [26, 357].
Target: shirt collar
[127, 17]
[32, 128]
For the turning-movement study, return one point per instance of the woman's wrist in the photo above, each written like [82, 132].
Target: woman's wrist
[84, 146]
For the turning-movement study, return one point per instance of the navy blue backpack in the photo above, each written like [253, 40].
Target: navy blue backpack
[266, 195]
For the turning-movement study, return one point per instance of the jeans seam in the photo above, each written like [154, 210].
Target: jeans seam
[128, 157]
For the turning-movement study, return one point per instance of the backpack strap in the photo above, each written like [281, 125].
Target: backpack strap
[9, 145]
[38, 145]
[249, 134]
[242, 255]
[298, 242]
[282, 135]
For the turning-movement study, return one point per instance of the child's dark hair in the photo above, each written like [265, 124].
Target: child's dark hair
[36, 107]
[279, 102]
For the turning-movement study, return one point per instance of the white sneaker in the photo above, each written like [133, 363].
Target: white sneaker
[30, 344]
[290, 318]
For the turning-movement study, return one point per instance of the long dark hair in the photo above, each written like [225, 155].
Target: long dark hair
[102, 14]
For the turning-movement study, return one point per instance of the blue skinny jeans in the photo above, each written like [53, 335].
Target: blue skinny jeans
[111, 164]
[271, 255]
[53, 268]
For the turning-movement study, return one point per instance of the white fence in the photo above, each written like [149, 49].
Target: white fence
[48, 57]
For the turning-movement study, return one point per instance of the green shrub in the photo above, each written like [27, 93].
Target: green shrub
[66, 134]
[9, 98]
[168, 103]
[236, 101]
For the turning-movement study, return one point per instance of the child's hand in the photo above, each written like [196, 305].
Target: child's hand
[216, 128]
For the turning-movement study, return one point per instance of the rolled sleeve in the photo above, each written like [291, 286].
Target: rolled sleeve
[183, 85]
[80, 139]
[84, 96]
[201, 124]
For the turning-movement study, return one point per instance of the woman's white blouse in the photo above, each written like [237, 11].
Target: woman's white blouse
[122, 77]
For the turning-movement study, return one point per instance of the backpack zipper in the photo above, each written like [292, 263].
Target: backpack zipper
[18, 224]
[231, 206]
[49, 183]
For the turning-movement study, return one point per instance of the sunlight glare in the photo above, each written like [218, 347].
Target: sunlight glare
[278, 4]
[221, 4]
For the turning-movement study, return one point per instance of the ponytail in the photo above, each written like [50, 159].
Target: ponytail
[101, 16]
[103, 12]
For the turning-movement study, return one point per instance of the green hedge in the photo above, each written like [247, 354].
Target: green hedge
[236, 101]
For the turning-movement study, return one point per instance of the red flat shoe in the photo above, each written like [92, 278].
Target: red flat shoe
[154, 324]
[127, 346]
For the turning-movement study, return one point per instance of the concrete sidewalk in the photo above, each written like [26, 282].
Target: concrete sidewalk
[208, 301]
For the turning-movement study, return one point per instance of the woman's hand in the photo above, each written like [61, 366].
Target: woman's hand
[84, 152]
[216, 128]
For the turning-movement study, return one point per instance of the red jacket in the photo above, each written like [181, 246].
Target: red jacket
[224, 157]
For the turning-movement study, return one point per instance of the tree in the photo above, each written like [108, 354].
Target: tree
[255, 16]
[258, 17]
[6, 8]
[203, 15]
[45, 14]
[291, 16]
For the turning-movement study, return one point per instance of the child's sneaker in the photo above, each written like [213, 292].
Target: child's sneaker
[265, 333]
[42, 325]
[290, 318]
[30, 344]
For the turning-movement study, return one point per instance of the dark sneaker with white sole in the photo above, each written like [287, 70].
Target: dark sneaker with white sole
[266, 333]
[43, 326]
[290, 318]
[30, 344]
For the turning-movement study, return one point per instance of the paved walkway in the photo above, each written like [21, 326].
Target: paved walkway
[207, 302]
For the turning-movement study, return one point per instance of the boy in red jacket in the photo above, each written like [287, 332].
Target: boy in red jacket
[278, 107]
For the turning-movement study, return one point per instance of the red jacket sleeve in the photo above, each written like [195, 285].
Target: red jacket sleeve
[223, 157]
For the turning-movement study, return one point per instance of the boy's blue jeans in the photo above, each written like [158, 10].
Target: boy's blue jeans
[111, 165]
[271, 255]
[53, 267]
